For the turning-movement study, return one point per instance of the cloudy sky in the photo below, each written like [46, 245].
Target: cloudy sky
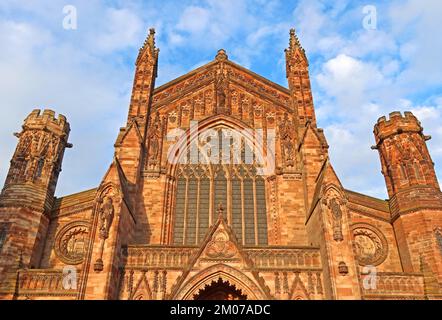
[358, 74]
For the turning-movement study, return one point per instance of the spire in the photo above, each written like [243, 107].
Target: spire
[149, 46]
[294, 43]
[299, 80]
[295, 54]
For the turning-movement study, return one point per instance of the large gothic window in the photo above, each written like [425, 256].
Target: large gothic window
[201, 187]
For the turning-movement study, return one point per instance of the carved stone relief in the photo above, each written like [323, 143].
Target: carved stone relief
[286, 135]
[71, 241]
[221, 247]
[335, 206]
[370, 244]
[106, 214]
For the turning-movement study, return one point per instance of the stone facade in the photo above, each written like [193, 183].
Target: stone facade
[279, 227]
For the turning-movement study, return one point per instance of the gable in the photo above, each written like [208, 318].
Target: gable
[199, 86]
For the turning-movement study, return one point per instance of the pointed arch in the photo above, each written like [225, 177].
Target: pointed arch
[178, 150]
[142, 290]
[227, 273]
[194, 199]
[298, 290]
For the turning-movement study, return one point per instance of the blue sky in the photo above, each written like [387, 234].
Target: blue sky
[86, 74]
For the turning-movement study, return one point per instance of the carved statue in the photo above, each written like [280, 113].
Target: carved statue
[221, 89]
[154, 141]
[107, 213]
[286, 135]
[337, 220]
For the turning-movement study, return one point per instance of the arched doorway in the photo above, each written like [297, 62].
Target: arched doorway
[205, 278]
[220, 290]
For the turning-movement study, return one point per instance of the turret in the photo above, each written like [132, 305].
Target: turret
[406, 163]
[415, 197]
[28, 195]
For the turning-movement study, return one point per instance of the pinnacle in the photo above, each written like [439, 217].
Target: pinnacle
[221, 55]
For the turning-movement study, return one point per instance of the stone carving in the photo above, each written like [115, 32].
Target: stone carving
[286, 134]
[106, 214]
[221, 247]
[274, 208]
[71, 241]
[277, 284]
[4, 227]
[337, 219]
[155, 141]
[36, 154]
[438, 234]
[343, 269]
[221, 92]
[370, 245]
[173, 117]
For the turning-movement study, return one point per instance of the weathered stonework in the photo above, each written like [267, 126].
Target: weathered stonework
[279, 227]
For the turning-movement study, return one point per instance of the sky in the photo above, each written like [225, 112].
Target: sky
[365, 62]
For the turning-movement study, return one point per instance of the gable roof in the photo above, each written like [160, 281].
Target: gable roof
[209, 73]
[213, 63]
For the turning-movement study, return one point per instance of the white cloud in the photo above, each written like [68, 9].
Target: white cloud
[194, 20]
[123, 28]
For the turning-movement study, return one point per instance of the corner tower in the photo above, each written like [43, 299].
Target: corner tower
[415, 196]
[28, 195]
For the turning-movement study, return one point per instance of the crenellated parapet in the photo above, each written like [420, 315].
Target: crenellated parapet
[47, 120]
[397, 124]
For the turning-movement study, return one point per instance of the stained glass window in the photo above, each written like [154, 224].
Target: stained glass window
[201, 187]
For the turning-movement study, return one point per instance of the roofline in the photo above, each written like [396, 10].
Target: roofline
[386, 201]
[199, 69]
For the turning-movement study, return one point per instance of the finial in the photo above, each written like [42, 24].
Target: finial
[294, 41]
[151, 39]
[221, 55]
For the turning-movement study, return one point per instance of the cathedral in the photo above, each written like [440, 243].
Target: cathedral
[220, 188]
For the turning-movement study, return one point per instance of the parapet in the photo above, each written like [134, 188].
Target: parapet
[47, 120]
[396, 124]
